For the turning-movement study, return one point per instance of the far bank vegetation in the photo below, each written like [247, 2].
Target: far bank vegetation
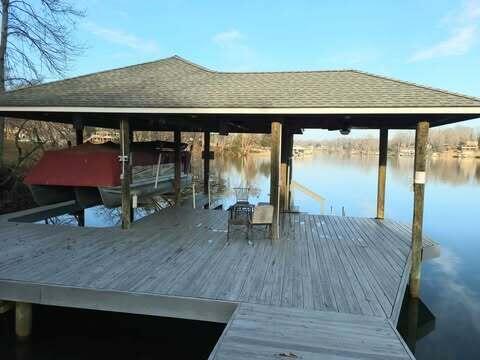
[26, 141]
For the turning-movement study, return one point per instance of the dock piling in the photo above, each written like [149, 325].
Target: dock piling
[382, 173]
[206, 161]
[421, 138]
[126, 176]
[177, 135]
[23, 320]
[78, 126]
[284, 170]
[275, 176]
[289, 170]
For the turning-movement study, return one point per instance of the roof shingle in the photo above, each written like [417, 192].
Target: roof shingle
[177, 83]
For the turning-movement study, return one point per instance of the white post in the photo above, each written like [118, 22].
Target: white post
[193, 194]
[158, 169]
[209, 198]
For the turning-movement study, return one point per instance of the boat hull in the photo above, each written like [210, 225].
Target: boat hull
[112, 196]
[87, 196]
[51, 194]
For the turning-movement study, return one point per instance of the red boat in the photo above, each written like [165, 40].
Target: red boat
[91, 173]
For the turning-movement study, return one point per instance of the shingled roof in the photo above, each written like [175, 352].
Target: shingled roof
[174, 93]
[174, 83]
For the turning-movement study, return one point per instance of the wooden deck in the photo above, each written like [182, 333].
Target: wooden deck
[178, 263]
[269, 332]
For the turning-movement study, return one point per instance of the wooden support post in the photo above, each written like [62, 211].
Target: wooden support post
[284, 170]
[206, 161]
[23, 319]
[289, 145]
[421, 139]
[78, 141]
[382, 173]
[276, 149]
[286, 204]
[177, 136]
[131, 136]
[79, 135]
[126, 176]
[81, 218]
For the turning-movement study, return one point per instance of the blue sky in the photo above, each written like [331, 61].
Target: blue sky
[432, 42]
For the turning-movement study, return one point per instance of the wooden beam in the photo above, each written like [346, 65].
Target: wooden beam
[177, 138]
[206, 161]
[308, 192]
[126, 176]
[382, 173]
[276, 148]
[421, 139]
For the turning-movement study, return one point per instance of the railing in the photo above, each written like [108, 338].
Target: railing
[320, 199]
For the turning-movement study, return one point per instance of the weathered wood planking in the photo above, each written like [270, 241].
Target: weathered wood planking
[270, 332]
[340, 264]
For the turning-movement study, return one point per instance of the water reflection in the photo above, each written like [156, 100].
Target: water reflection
[455, 171]
[446, 170]
[241, 171]
[247, 172]
[450, 284]
[416, 321]
[347, 181]
[99, 216]
[329, 175]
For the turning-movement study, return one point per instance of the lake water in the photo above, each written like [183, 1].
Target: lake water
[450, 283]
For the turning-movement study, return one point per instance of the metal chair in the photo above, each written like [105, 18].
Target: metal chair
[240, 214]
[241, 194]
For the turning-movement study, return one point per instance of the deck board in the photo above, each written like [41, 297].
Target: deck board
[340, 264]
[267, 332]
[179, 262]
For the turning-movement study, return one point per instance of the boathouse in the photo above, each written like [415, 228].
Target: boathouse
[320, 279]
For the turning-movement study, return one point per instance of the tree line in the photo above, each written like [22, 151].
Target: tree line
[440, 139]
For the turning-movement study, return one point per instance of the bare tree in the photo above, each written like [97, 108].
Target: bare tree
[37, 135]
[36, 40]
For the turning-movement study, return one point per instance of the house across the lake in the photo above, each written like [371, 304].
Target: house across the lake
[103, 136]
[470, 145]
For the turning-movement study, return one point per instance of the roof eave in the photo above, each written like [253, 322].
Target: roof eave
[443, 110]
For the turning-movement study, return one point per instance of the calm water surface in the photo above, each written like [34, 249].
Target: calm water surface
[450, 283]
